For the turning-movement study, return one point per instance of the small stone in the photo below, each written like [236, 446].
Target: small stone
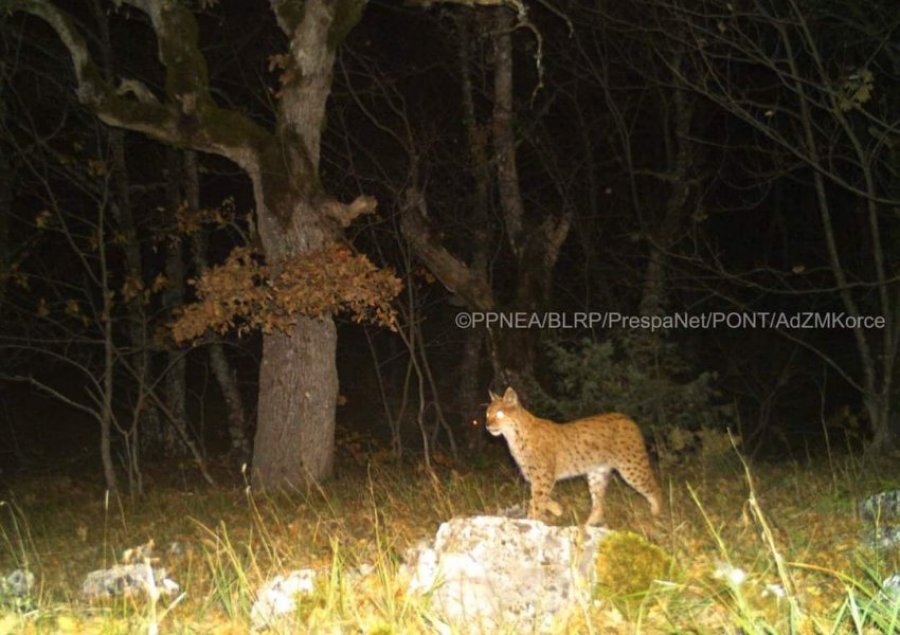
[17, 584]
[277, 597]
[734, 576]
[128, 580]
[891, 587]
[881, 506]
[884, 538]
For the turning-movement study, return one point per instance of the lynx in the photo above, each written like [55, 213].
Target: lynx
[547, 452]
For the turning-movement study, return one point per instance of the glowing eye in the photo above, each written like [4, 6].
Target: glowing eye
[499, 414]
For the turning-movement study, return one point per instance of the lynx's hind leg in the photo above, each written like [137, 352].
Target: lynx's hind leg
[597, 481]
[641, 478]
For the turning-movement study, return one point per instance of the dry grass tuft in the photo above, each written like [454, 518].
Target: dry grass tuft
[774, 550]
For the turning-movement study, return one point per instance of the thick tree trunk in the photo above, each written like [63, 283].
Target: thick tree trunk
[298, 387]
[298, 380]
[884, 422]
[298, 383]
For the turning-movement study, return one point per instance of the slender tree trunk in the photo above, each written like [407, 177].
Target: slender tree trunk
[109, 360]
[504, 135]
[148, 424]
[536, 251]
[222, 370]
[469, 366]
[237, 419]
[150, 430]
[874, 397]
[477, 137]
[172, 297]
[646, 344]
[666, 232]
[6, 192]
[878, 408]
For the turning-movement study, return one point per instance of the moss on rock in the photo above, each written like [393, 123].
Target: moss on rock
[626, 566]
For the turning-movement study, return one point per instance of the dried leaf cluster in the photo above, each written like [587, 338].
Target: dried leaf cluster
[245, 294]
[189, 220]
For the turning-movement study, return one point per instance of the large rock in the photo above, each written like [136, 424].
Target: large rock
[486, 571]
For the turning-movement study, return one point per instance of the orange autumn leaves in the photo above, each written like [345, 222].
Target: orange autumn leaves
[245, 294]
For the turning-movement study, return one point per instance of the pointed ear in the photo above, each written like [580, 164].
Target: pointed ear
[510, 397]
[493, 395]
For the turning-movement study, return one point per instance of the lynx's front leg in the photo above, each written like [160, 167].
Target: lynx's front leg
[541, 486]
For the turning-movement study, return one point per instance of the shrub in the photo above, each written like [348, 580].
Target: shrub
[626, 566]
[593, 376]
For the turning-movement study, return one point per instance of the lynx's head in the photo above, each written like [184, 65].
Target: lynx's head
[502, 411]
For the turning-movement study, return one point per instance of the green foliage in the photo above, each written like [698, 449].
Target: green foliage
[706, 446]
[626, 566]
[606, 376]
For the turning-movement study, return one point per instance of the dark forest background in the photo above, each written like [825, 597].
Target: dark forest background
[646, 157]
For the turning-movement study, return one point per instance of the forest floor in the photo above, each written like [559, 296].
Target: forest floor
[777, 550]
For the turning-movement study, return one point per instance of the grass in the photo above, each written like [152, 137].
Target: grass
[770, 548]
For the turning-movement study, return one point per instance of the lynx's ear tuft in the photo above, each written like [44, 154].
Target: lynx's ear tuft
[493, 395]
[510, 397]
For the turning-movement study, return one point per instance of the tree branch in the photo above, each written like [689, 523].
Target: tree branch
[347, 213]
[188, 116]
[453, 274]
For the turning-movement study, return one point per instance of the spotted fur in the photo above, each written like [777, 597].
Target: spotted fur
[548, 452]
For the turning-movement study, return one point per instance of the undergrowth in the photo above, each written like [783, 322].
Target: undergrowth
[764, 548]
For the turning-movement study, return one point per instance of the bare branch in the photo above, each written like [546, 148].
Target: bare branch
[188, 116]
[453, 273]
[346, 214]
